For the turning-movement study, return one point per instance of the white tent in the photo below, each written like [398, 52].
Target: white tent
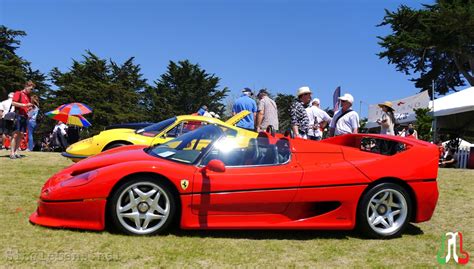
[455, 114]
[459, 102]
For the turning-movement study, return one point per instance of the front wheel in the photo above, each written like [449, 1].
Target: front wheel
[384, 211]
[114, 145]
[142, 207]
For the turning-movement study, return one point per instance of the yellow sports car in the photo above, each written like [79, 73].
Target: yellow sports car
[153, 134]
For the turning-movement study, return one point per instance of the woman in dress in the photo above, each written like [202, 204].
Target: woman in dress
[387, 122]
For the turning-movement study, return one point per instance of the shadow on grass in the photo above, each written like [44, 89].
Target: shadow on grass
[284, 234]
[256, 234]
[268, 234]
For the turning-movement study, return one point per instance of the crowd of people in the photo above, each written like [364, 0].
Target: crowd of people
[19, 115]
[308, 121]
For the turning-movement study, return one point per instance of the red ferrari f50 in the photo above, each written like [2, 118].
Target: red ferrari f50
[213, 179]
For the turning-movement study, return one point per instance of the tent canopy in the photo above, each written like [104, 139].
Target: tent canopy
[459, 102]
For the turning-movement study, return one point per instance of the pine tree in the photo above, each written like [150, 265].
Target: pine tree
[183, 89]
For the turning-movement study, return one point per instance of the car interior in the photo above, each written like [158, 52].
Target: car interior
[258, 152]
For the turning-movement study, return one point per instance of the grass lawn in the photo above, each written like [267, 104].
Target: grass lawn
[26, 245]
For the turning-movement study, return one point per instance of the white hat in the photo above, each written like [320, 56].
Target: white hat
[315, 100]
[303, 90]
[347, 97]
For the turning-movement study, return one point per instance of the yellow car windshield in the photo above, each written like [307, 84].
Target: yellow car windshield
[156, 128]
[189, 147]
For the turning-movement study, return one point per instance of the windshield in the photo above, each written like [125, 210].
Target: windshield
[156, 128]
[189, 147]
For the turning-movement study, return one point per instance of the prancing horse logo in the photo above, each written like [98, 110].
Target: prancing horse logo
[184, 184]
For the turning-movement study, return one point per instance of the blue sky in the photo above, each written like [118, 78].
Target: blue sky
[280, 45]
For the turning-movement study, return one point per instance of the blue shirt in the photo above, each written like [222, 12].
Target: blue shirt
[201, 111]
[244, 102]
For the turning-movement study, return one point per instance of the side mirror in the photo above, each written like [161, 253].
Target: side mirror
[216, 166]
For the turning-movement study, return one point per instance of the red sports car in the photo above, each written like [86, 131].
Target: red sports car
[213, 179]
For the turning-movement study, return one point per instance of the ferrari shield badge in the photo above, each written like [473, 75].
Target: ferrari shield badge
[184, 184]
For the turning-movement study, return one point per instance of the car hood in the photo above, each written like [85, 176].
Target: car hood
[111, 157]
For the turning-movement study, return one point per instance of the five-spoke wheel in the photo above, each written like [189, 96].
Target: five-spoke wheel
[142, 207]
[384, 211]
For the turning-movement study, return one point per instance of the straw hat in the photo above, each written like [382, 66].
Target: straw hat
[303, 90]
[387, 104]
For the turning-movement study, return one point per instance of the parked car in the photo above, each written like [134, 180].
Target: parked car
[214, 178]
[147, 134]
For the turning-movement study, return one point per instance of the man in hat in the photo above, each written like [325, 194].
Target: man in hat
[345, 120]
[245, 102]
[298, 116]
[318, 119]
[267, 112]
[387, 122]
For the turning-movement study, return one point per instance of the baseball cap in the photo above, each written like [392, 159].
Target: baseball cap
[347, 97]
[263, 91]
[316, 100]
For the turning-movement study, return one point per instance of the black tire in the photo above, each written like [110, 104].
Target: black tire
[114, 145]
[377, 215]
[132, 220]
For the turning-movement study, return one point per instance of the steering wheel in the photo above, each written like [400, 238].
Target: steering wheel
[271, 130]
[290, 133]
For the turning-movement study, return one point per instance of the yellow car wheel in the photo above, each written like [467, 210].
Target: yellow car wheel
[115, 145]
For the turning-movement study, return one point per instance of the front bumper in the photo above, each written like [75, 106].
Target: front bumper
[83, 214]
[74, 158]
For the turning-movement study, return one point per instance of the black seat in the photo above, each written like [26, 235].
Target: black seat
[267, 153]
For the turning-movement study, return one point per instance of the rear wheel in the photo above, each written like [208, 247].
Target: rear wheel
[142, 207]
[384, 211]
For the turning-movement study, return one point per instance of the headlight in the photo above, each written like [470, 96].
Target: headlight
[79, 180]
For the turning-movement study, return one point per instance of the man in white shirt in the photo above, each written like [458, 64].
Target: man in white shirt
[346, 120]
[5, 107]
[318, 119]
[60, 133]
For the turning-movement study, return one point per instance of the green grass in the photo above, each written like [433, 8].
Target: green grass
[26, 245]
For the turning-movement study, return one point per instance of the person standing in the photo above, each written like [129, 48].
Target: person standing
[22, 102]
[32, 115]
[387, 122]
[5, 107]
[298, 116]
[245, 102]
[60, 135]
[411, 131]
[267, 113]
[318, 120]
[345, 120]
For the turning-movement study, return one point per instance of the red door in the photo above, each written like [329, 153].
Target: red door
[244, 190]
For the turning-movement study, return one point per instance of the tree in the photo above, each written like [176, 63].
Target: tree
[15, 71]
[284, 102]
[435, 42]
[112, 90]
[183, 89]
[423, 123]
